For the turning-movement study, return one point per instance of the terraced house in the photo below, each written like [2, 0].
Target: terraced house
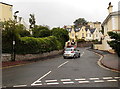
[92, 31]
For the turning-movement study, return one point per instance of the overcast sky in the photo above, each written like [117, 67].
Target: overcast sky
[56, 13]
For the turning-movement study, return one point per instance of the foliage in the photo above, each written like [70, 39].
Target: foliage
[22, 30]
[38, 45]
[12, 32]
[61, 34]
[41, 31]
[9, 33]
[80, 22]
[115, 43]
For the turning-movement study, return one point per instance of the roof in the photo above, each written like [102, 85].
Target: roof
[6, 4]
[92, 30]
[111, 14]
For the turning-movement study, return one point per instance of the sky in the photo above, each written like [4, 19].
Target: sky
[57, 13]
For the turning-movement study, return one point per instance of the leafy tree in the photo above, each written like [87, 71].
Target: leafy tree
[61, 34]
[41, 31]
[80, 22]
[22, 30]
[32, 21]
[115, 43]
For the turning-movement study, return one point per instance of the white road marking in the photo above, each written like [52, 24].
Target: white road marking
[83, 81]
[38, 81]
[65, 79]
[80, 79]
[20, 86]
[97, 81]
[50, 80]
[111, 80]
[62, 64]
[82, 53]
[52, 83]
[107, 77]
[68, 82]
[93, 78]
[116, 77]
[36, 84]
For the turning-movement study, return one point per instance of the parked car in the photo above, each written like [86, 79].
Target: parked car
[71, 52]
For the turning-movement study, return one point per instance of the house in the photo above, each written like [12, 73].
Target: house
[89, 32]
[111, 23]
[5, 11]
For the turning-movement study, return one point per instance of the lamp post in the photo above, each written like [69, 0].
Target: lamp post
[13, 43]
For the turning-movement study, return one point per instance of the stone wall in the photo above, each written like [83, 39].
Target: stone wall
[7, 57]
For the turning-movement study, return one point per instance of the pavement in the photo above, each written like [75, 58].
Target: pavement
[110, 60]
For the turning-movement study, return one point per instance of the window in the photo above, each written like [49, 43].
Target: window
[72, 34]
[82, 34]
[90, 35]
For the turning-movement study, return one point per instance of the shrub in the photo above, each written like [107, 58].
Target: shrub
[33, 45]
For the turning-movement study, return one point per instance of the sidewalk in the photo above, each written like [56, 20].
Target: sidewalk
[111, 61]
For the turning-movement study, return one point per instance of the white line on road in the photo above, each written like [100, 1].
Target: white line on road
[62, 64]
[80, 79]
[107, 77]
[116, 77]
[68, 82]
[50, 80]
[82, 53]
[52, 83]
[20, 86]
[38, 81]
[97, 81]
[93, 78]
[83, 81]
[111, 80]
[36, 84]
[65, 79]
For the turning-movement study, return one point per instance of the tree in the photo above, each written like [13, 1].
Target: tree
[22, 30]
[61, 34]
[115, 43]
[9, 36]
[41, 31]
[32, 21]
[80, 22]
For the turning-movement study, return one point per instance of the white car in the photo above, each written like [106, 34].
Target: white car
[71, 53]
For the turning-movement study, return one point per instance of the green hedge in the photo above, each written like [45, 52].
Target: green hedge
[37, 45]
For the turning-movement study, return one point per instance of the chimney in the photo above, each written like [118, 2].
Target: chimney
[110, 7]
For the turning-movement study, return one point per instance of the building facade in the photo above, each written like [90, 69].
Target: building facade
[89, 32]
[5, 11]
[111, 23]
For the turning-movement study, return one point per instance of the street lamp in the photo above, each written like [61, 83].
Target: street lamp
[15, 16]
[13, 43]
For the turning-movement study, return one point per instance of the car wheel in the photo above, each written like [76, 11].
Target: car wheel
[79, 56]
[64, 57]
[74, 56]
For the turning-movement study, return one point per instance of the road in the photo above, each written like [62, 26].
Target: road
[59, 72]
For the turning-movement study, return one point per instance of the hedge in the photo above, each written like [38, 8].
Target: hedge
[33, 45]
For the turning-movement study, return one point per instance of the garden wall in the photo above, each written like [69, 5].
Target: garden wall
[31, 57]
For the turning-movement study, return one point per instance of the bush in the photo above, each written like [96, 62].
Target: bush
[28, 45]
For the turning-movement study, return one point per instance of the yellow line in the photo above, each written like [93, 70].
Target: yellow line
[15, 65]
